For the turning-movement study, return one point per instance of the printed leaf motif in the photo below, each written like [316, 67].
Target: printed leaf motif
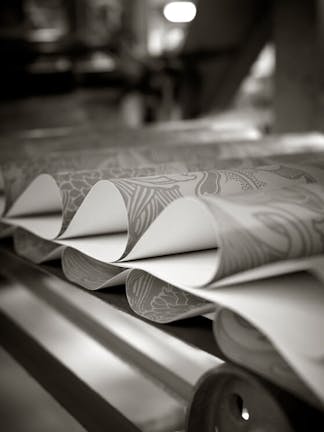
[160, 302]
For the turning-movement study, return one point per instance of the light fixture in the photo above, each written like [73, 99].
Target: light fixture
[180, 11]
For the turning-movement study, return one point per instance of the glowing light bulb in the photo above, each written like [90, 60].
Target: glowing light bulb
[180, 11]
[245, 414]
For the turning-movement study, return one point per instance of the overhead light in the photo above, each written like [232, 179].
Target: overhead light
[180, 11]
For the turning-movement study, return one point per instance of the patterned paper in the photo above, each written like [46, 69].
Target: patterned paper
[252, 230]
[261, 214]
[248, 333]
[161, 302]
[146, 197]
[243, 343]
[17, 175]
[142, 212]
[263, 227]
[75, 186]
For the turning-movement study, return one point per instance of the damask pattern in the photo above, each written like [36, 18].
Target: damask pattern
[239, 341]
[87, 272]
[252, 228]
[145, 198]
[281, 224]
[158, 301]
[259, 228]
[20, 173]
[74, 186]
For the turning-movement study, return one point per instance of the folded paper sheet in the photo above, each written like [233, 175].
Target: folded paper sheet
[281, 224]
[187, 230]
[128, 206]
[18, 174]
[122, 228]
[287, 310]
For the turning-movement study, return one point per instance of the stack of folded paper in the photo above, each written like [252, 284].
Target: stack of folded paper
[235, 230]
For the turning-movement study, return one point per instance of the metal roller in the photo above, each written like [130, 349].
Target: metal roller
[230, 399]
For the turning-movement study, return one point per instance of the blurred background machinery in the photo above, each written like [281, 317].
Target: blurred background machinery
[97, 64]
[171, 59]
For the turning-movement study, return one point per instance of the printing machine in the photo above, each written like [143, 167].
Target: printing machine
[112, 370]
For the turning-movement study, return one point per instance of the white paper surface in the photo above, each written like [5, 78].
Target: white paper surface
[39, 210]
[42, 196]
[289, 311]
[46, 225]
[105, 248]
[184, 226]
[102, 211]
